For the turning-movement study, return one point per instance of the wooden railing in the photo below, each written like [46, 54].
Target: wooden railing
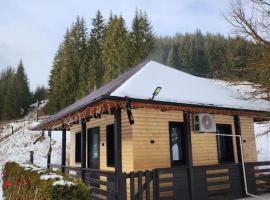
[102, 183]
[208, 182]
[258, 177]
[172, 183]
[140, 185]
[218, 182]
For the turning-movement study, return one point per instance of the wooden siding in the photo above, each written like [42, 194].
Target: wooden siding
[127, 149]
[248, 136]
[204, 146]
[139, 153]
[152, 124]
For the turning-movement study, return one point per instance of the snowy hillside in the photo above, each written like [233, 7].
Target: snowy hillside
[262, 131]
[17, 147]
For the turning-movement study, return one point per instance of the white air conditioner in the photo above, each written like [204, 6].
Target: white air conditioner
[204, 122]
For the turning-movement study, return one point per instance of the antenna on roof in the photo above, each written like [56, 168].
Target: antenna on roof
[156, 92]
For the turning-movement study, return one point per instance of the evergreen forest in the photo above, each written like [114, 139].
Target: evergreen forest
[89, 57]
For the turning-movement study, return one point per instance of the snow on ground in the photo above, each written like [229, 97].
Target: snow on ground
[51, 176]
[17, 147]
[63, 183]
[6, 130]
[262, 131]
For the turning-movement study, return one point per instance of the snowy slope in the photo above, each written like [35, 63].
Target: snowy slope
[17, 147]
[262, 131]
[181, 87]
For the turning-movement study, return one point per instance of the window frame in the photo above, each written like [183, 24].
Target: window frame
[76, 148]
[220, 161]
[108, 148]
[183, 161]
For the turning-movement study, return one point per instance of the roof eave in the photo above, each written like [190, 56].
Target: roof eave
[189, 105]
[263, 114]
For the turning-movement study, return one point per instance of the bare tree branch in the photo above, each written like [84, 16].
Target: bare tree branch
[251, 22]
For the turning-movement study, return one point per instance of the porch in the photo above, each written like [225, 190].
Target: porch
[191, 180]
[196, 183]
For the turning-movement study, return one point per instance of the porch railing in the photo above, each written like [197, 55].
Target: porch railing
[209, 182]
[102, 183]
[258, 177]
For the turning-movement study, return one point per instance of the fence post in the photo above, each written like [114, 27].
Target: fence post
[124, 185]
[148, 177]
[50, 150]
[156, 184]
[111, 188]
[63, 158]
[31, 157]
[132, 186]
[251, 178]
[140, 185]
[120, 185]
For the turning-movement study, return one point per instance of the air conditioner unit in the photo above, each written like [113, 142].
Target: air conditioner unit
[204, 122]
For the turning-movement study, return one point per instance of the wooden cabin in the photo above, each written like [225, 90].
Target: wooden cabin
[159, 133]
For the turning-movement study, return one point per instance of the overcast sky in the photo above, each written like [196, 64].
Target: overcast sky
[31, 30]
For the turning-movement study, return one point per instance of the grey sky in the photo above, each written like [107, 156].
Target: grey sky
[31, 30]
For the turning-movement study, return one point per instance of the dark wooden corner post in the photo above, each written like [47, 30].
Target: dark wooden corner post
[64, 145]
[186, 116]
[83, 148]
[237, 127]
[118, 154]
[50, 149]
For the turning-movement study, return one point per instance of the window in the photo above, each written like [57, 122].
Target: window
[93, 151]
[78, 149]
[110, 145]
[177, 143]
[225, 143]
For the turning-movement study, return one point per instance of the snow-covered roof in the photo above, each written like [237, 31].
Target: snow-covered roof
[140, 82]
[181, 87]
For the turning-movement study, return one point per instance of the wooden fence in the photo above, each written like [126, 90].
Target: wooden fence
[258, 177]
[206, 182]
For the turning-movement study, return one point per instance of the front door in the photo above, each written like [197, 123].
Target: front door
[93, 148]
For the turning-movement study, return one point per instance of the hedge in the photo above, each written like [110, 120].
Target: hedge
[23, 182]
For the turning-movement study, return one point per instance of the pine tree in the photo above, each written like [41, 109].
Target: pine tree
[64, 80]
[56, 92]
[115, 48]
[142, 38]
[23, 92]
[11, 108]
[186, 53]
[74, 50]
[91, 72]
[173, 58]
[216, 52]
[39, 94]
[96, 40]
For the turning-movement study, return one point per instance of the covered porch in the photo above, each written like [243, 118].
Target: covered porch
[184, 181]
